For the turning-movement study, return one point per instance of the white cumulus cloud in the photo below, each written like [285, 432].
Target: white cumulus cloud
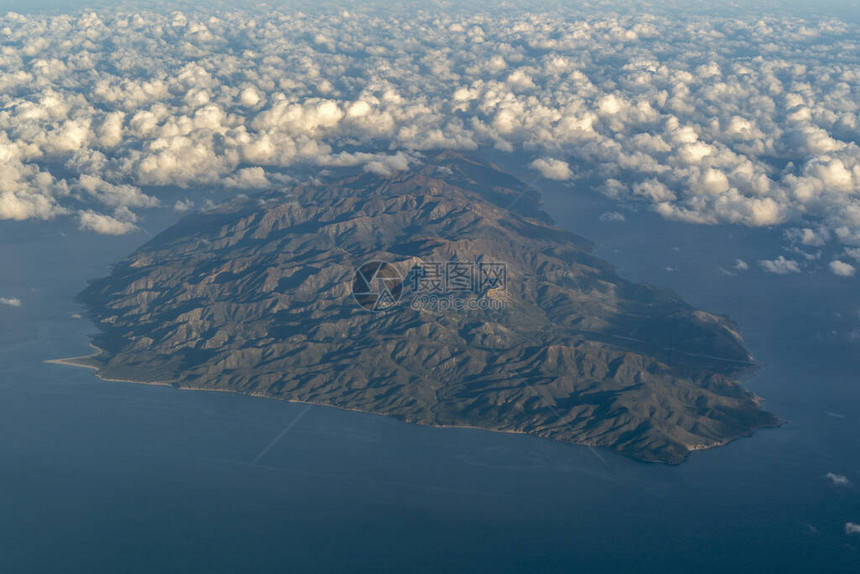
[842, 269]
[119, 224]
[552, 168]
[780, 265]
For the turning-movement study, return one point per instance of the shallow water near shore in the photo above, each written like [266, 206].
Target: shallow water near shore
[107, 476]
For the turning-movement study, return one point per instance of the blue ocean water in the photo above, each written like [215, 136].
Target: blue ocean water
[115, 477]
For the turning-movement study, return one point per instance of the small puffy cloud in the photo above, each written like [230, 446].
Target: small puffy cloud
[551, 168]
[610, 104]
[109, 131]
[27, 205]
[612, 216]
[780, 265]
[842, 269]
[838, 479]
[250, 97]
[183, 205]
[614, 189]
[809, 237]
[655, 191]
[738, 267]
[852, 528]
[120, 223]
[26, 190]
[113, 195]
[520, 80]
[387, 165]
[248, 178]
[10, 301]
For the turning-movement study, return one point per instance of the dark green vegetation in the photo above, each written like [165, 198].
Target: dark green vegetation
[254, 297]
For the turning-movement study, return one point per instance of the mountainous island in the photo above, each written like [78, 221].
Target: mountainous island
[278, 295]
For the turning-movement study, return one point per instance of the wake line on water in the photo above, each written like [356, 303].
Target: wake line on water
[280, 435]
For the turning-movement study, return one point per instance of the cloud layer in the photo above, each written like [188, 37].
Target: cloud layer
[751, 121]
